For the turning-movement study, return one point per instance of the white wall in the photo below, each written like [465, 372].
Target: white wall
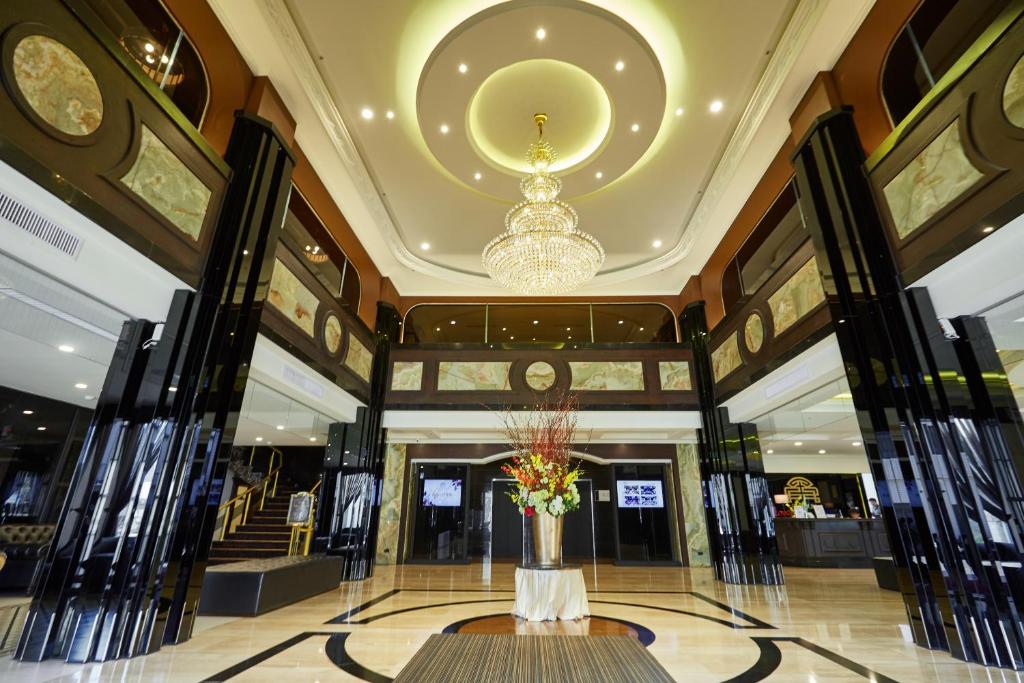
[816, 464]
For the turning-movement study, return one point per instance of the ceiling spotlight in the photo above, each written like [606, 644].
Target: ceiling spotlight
[568, 329]
[679, 111]
[534, 339]
[716, 106]
[798, 443]
[621, 321]
[478, 175]
[66, 348]
[620, 65]
[279, 427]
[599, 175]
[150, 47]
[570, 336]
[172, 389]
[463, 68]
[541, 34]
[504, 329]
[425, 246]
[437, 329]
[987, 229]
[656, 244]
[367, 113]
[27, 412]
[40, 429]
[769, 451]
[259, 438]
[245, 252]
[641, 329]
[80, 385]
[88, 397]
[635, 127]
[821, 451]
[452, 322]
[312, 438]
[535, 322]
[444, 129]
[390, 114]
[512, 337]
[856, 443]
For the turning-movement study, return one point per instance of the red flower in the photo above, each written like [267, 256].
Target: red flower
[528, 511]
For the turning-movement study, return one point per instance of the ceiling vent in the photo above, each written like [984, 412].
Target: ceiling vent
[44, 229]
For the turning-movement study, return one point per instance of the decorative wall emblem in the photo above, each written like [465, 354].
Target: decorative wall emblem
[57, 85]
[798, 487]
[753, 332]
[332, 334]
[540, 376]
[1013, 95]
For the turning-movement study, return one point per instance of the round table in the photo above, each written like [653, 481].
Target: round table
[548, 593]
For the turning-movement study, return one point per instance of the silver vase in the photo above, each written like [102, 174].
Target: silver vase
[547, 539]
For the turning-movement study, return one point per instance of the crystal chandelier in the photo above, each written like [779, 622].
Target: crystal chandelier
[541, 250]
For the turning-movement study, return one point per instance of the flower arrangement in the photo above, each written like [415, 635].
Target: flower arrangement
[545, 476]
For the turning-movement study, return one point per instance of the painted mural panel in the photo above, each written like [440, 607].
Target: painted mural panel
[473, 375]
[291, 297]
[359, 358]
[798, 296]
[406, 375]
[939, 174]
[160, 179]
[675, 375]
[607, 375]
[726, 357]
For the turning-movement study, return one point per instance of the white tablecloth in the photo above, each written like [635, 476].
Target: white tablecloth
[548, 594]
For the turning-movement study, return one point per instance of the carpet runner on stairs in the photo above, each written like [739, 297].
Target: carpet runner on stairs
[265, 533]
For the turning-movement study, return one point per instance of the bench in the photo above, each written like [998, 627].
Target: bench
[253, 587]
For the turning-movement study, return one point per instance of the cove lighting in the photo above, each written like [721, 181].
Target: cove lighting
[66, 348]
[367, 113]
[541, 34]
[620, 65]
[81, 385]
[716, 106]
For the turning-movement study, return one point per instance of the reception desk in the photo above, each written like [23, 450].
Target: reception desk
[847, 543]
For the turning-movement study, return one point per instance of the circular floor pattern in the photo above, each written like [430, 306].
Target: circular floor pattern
[498, 624]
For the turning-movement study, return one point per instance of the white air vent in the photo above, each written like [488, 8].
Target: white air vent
[42, 228]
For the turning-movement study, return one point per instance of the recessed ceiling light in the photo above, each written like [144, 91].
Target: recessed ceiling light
[821, 451]
[716, 106]
[534, 339]
[620, 65]
[769, 451]
[367, 113]
[512, 337]
[679, 111]
[444, 129]
[452, 322]
[987, 229]
[41, 429]
[390, 114]
[635, 127]
[568, 329]
[641, 329]
[425, 246]
[259, 438]
[463, 68]
[621, 321]
[80, 385]
[536, 322]
[478, 175]
[270, 443]
[656, 244]
[570, 336]
[312, 438]
[504, 329]
[798, 443]
[66, 348]
[172, 389]
[599, 175]
[541, 34]
[88, 397]
[856, 443]
[279, 427]
[245, 252]
[150, 47]
[437, 329]
[27, 412]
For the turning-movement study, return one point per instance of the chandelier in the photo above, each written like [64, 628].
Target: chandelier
[541, 250]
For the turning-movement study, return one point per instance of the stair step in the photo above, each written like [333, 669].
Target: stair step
[260, 535]
[235, 555]
[242, 544]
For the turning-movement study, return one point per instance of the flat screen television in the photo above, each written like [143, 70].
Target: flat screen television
[640, 494]
[442, 493]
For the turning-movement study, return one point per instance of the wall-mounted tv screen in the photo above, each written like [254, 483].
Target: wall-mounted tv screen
[442, 493]
[640, 494]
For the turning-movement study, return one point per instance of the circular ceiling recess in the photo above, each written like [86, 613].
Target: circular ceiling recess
[501, 114]
[484, 81]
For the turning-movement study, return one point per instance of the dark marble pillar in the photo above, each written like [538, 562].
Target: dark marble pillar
[123, 573]
[940, 427]
[349, 513]
[740, 513]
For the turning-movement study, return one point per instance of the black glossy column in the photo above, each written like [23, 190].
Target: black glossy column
[125, 569]
[739, 509]
[939, 423]
[349, 513]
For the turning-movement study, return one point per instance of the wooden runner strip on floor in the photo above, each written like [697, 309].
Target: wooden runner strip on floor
[472, 658]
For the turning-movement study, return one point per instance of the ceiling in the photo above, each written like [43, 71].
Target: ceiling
[820, 423]
[417, 115]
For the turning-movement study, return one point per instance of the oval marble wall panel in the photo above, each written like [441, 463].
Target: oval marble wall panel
[1013, 95]
[58, 85]
[540, 376]
[332, 333]
[753, 333]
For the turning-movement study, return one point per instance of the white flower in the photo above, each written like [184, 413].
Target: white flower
[556, 507]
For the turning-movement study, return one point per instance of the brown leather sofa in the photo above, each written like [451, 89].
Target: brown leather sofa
[25, 546]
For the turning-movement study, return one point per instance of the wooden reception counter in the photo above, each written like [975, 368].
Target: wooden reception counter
[847, 543]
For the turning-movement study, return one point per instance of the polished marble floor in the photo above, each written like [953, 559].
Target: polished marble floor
[823, 625]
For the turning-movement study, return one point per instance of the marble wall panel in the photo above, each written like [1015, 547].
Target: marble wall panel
[332, 333]
[1013, 95]
[473, 375]
[935, 178]
[726, 357]
[753, 333]
[57, 84]
[160, 179]
[359, 359]
[391, 504]
[797, 297]
[675, 375]
[406, 375]
[540, 376]
[607, 375]
[291, 297]
[690, 490]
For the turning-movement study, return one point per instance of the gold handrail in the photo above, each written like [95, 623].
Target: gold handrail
[247, 495]
[306, 529]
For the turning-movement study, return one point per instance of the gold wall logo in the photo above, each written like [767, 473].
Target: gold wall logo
[802, 486]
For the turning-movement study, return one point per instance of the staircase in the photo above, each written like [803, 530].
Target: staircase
[265, 534]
